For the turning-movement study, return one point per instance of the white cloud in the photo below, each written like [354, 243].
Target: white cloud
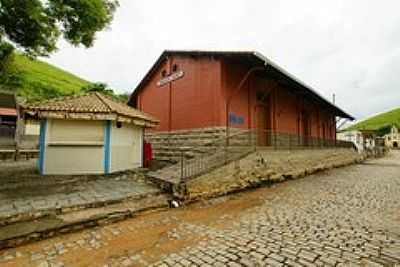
[349, 48]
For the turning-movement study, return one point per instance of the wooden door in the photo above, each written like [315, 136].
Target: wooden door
[262, 123]
[306, 129]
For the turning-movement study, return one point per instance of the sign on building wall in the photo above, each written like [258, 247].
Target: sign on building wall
[236, 119]
[174, 76]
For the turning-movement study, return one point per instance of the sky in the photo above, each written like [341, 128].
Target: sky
[347, 48]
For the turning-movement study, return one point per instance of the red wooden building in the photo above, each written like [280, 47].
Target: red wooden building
[203, 89]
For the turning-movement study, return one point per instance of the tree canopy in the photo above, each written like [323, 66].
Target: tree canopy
[98, 87]
[105, 89]
[35, 25]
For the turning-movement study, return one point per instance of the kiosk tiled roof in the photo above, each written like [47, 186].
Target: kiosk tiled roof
[91, 103]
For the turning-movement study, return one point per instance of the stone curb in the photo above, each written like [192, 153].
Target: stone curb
[49, 226]
[37, 214]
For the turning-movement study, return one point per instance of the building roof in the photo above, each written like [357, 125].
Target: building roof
[91, 106]
[256, 59]
[8, 104]
[8, 112]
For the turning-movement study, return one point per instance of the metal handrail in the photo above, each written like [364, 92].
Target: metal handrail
[217, 154]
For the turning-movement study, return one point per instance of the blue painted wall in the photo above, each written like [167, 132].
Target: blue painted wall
[42, 145]
[236, 119]
[107, 147]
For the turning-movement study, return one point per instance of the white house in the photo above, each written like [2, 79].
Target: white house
[89, 134]
[393, 138]
[354, 136]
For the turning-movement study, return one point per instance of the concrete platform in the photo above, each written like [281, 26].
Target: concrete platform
[32, 204]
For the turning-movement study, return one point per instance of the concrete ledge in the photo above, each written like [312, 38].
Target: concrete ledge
[25, 232]
[36, 214]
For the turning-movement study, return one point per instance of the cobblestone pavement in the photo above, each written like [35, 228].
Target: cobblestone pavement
[341, 217]
[33, 193]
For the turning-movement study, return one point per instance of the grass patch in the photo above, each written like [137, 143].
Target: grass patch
[379, 121]
[36, 80]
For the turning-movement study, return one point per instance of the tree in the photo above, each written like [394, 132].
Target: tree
[124, 97]
[6, 56]
[36, 25]
[105, 89]
[98, 87]
[8, 72]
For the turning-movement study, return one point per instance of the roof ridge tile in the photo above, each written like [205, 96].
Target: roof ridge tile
[100, 96]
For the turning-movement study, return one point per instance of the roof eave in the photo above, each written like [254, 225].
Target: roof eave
[147, 75]
[261, 57]
[269, 62]
[62, 114]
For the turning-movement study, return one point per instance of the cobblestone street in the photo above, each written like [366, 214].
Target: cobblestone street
[341, 217]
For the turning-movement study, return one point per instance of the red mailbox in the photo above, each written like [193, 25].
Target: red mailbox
[148, 154]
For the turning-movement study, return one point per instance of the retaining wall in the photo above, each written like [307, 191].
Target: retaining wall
[168, 146]
[268, 166]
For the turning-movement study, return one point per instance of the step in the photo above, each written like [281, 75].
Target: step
[24, 232]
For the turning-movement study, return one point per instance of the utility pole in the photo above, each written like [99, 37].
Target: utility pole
[334, 98]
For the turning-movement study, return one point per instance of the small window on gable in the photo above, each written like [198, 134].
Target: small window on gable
[174, 68]
[261, 97]
[163, 73]
[119, 124]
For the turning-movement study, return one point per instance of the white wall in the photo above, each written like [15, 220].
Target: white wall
[392, 138]
[32, 127]
[78, 147]
[74, 147]
[352, 136]
[126, 147]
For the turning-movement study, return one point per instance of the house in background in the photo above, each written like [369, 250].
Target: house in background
[392, 139]
[18, 138]
[28, 141]
[362, 139]
[197, 95]
[8, 119]
[31, 128]
[88, 134]
[354, 136]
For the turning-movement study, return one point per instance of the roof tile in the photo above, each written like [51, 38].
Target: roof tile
[8, 112]
[93, 102]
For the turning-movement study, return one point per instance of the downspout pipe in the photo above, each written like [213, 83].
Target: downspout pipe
[237, 89]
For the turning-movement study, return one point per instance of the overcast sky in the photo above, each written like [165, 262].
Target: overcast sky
[350, 48]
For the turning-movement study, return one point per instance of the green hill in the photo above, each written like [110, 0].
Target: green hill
[35, 79]
[379, 121]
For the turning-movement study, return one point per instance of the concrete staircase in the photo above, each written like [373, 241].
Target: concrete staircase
[197, 160]
[173, 179]
[169, 146]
